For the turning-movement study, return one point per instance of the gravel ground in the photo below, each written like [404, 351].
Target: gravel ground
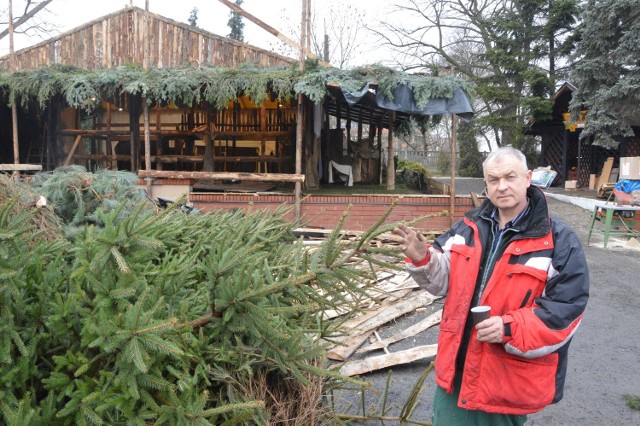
[604, 355]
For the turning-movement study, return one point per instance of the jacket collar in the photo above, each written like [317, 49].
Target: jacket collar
[536, 224]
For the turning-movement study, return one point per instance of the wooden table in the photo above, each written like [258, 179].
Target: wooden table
[608, 209]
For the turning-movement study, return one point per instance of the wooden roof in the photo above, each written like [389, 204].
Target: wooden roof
[119, 38]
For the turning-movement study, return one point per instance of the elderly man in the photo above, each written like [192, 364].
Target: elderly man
[531, 270]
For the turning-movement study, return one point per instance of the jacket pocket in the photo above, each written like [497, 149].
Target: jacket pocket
[510, 381]
[524, 284]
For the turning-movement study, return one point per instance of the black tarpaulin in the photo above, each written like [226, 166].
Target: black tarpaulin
[403, 102]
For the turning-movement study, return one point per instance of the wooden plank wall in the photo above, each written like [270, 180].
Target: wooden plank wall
[118, 39]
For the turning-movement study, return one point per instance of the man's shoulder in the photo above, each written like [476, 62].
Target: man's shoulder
[558, 226]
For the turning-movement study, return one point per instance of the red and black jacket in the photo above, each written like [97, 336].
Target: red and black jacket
[539, 285]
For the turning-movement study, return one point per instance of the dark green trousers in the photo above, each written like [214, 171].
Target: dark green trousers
[445, 412]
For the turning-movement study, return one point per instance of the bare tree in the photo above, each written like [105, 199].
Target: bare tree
[501, 45]
[34, 25]
[339, 37]
[336, 33]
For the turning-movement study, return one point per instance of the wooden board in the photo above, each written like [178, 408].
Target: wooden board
[606, 172]
[419, 327]
[20, 167]
[252, 177]
[355, 368]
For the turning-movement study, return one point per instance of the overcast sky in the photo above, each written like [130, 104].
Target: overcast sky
[283, 15]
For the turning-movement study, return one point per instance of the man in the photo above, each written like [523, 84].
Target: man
[531, 270]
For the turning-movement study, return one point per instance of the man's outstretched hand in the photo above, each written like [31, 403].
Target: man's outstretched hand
[413, 244]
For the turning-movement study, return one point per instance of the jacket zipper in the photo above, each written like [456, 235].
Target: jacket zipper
[526, 299]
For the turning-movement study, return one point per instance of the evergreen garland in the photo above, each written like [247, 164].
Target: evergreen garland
[217, 85]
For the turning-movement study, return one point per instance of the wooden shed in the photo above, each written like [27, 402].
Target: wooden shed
[562, 149]
[209, 109]
[246, 135]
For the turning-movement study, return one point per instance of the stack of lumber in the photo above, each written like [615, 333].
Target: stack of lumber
[394, 295]
[358, 347]
[607, 179]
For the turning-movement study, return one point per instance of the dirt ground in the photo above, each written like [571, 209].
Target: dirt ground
[604, 359]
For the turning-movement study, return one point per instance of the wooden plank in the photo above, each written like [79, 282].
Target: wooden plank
[606, 172]
[346, 346]
[438, 187]
[252, 177]
[73, 150]
[355, 368]
[477, 199]
[20, 167]
[389, 313]
[419, 327]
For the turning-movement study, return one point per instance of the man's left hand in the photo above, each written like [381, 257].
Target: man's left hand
[491, 330]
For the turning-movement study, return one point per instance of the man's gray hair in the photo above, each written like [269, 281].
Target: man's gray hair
[505, 151]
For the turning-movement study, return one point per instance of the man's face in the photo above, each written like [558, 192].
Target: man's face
[507, 181]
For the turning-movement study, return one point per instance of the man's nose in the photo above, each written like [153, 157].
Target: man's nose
[502, 184]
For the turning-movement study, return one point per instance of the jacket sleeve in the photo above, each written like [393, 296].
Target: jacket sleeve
[434, 276]
[555, 316]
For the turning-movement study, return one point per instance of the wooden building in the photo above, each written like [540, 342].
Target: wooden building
[182, 140]
[245, 137]
[563, 150]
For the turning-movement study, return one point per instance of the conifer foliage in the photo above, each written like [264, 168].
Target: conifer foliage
[150, 316]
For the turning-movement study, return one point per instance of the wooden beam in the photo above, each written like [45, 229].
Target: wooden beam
[20, 167]
[306, 52]
[251, 177]
[391, 171]
[419, 327]
[452, 181]
[73, 150]
[355, 368]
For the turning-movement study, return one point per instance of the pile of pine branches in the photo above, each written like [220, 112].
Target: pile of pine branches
[157, 316]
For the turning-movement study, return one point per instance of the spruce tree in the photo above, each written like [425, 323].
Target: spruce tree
[145, 315]
[606, 71]
[236, 24]
[193, 17]
[470, 157]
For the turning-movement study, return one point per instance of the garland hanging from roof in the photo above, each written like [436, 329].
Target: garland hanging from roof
[216, 85]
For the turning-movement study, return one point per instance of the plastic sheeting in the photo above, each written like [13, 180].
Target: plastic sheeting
[628, 185]
[403, 102]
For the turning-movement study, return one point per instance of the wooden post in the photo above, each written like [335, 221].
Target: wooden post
[159, 138]
[14, 106]
[147, 135]
[134, 129]
[391, 170]
[145, 104]
[348, 126]
[263, 143]
[300, 112]
[380, 150]
[208, 165]
[452, 185]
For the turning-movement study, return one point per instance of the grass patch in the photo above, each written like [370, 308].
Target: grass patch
[633, 401]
